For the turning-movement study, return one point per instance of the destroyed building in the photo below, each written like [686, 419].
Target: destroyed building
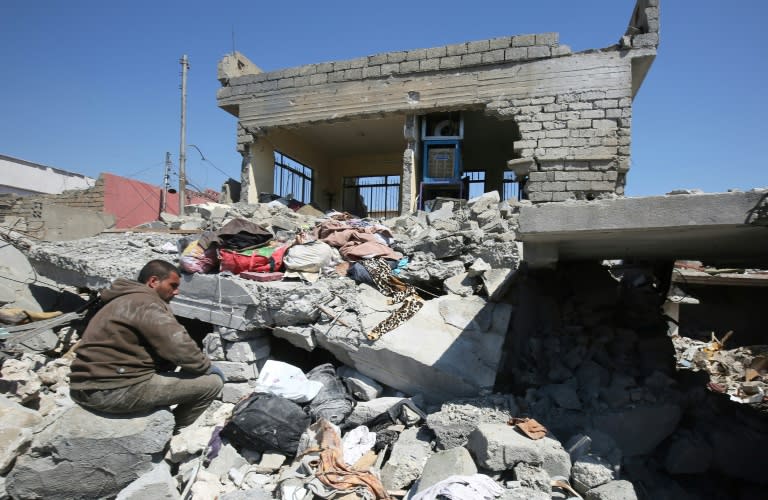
[511, 113]
[539, 363]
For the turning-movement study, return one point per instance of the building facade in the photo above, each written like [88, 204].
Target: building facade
[522, 114]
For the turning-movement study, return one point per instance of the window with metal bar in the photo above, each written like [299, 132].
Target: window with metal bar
[372, 196]
[292, 178]
[511, 186]
[476, 180]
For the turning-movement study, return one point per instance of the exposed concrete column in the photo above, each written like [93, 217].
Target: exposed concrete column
[248, 191]
[245, 139]
[257, 169]
[408, 185]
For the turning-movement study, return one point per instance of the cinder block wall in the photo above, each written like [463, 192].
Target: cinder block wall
[30, 208]
[579, 141]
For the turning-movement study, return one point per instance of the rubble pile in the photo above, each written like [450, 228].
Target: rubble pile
[741, 373]
[505, 383]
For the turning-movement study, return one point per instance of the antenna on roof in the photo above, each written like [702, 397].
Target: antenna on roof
[233, 39]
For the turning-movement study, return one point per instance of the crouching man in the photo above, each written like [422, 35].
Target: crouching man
[127, 353]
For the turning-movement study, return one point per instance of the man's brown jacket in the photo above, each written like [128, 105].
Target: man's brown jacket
[127, 341]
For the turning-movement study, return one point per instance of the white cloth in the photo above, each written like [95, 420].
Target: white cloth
[474, 487]
[287, 381]
[356, 443]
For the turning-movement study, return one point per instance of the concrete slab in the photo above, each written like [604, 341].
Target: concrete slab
[723, 229]
[433, 353]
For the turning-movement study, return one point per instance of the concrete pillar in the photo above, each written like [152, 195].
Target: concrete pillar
[248, 191]
[409, 187]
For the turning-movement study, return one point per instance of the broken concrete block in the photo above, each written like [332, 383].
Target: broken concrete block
[425, 268]
[279, 223]
[74, 455]
[19, 382]
[55, 373]
[478, 267]
[213, 347]
[485, 201]
[498, 254]
[270, 462]
[406, 462]
[157, 483]
[638, 430]
[488, 219]
[455, 421]
[498, 447]
[445, 211]
[462, 285]
[250, 494]
[522, 493]
[614, 490]
[440, 244]
[193, 439]
[208, 486]
[532, 477]
[42, 341]
[234, 335]
[193, 224]
[216, 413]
[247, 351]
[228, 458]
[13, 441]
[188, 443]
[589, 472]
[207, 211]
[14, 414]
[299, 336]
[232, 393]
[363, 388]
[238, 372]
[497, 282]
[364, 411]
[442, 465]
[173, 221]
[446, 225]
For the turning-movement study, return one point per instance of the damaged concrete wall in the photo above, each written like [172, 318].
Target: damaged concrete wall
[69, 215]
[573, 110]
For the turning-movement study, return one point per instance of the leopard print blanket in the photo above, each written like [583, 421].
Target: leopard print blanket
[399, 292]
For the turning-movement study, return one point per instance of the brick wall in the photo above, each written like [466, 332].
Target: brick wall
[586, 135]
[461, 55]
[29, 207]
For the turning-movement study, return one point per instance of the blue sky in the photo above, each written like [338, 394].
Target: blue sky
[92, 86]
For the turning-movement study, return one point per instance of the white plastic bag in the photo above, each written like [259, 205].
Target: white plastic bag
[287, 381]
[312, 257]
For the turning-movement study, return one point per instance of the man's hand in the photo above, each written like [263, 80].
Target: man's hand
[217, 371]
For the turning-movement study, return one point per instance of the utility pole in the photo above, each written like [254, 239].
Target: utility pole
[166, 182]
[182, 145]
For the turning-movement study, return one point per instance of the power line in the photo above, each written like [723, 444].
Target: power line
[202, 157]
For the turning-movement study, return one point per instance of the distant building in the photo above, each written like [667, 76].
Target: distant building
[24, 178]
[522, 115]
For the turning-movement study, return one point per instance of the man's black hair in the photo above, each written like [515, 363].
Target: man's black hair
[160, 268]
